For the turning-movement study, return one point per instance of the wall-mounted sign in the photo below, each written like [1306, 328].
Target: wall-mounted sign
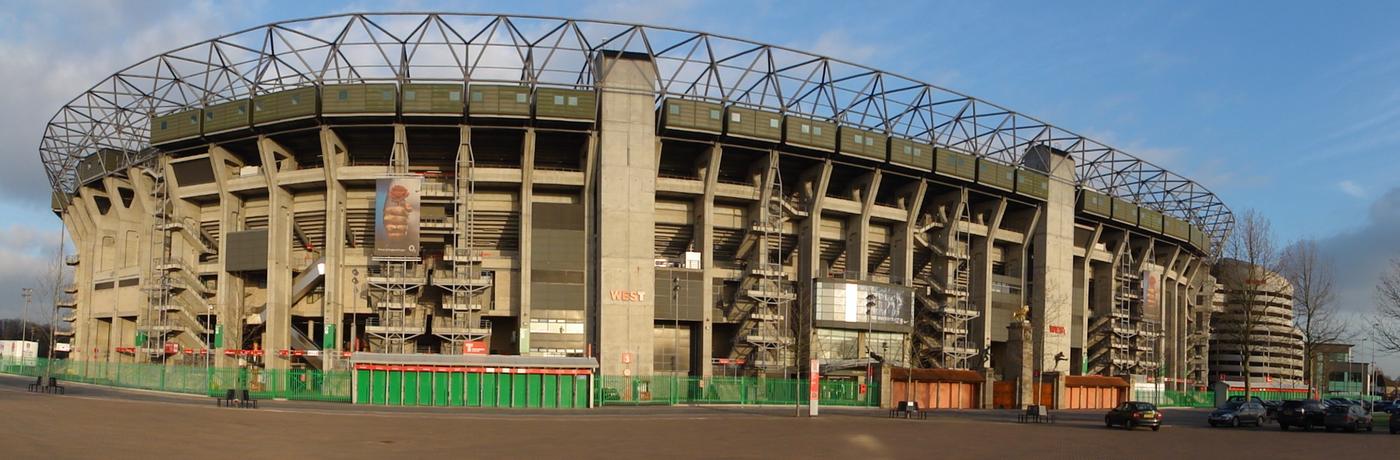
[474, 347]
[622, 295]
[1057, 329]
[396, 216]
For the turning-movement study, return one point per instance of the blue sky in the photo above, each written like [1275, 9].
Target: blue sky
[1289, 108]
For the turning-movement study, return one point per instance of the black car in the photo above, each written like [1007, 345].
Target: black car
[1239, 413]
[1271, 409]
[1395, 420]
[1350, 418]
[1133, 414]
[1304, 413]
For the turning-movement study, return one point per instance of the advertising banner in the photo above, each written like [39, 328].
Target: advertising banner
[842, 300]
[396, 217]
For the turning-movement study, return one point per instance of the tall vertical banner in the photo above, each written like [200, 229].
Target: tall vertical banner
[814, 393]
[396, 217]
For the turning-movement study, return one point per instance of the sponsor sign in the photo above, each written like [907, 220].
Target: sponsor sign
[814, 386]
[1060, 330]
[474, 347]
[622, 295]
[396, 214]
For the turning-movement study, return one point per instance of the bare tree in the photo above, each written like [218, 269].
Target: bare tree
[1387, 322]
[1251, 267]
[1314, 307]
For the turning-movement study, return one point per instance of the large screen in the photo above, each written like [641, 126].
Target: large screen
[396, 217]
[839, 300]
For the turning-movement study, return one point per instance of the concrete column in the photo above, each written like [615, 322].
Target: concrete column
[705, 242]
[1020, 362]
[813, 189]
[278, 327]
[228, 297]
[626, 202]
[902, 246]
[338, 292]
[980, 277]
[527, 226]
[1084, 307]
[1052, 310]
[858, 228]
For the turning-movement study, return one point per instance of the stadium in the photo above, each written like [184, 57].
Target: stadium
[559, 197]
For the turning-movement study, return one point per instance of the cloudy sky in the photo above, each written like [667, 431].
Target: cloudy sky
[1293, 109]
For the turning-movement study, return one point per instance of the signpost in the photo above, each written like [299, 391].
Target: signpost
[814, 386]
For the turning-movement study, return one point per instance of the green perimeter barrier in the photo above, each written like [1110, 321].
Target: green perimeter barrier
[671, 390]
[294, 384]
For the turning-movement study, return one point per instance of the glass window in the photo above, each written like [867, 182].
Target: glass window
[163, 124]
[242, 110]
[868, 141]
[857, 138]
[410, 95]
[296, 99]
[558, 100]
[386, 95]
[343, 95]
[194, 120]
[257, 106]
[773, 123]
[476, 96]
[209, 116]
[918, 152]
[805, 129]
[520, 98]
[454, 96]
[907, 150]
[734, 117]
[573, 101]
[674, 109]
[714, 114]
[816, 130]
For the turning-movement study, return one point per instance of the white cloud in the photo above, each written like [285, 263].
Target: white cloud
[1351, 188]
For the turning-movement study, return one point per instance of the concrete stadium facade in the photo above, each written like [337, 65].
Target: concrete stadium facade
[614, 216]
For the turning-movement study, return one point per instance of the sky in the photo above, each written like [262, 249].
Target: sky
[1289, 108]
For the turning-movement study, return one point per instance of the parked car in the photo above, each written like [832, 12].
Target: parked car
[1240, 399]
[1236, 414]
[1395, 420]
[1339, 401]
[1271, 410]
[1384, 406]
[1303, 413]
[1133, 414]
[1349, 418]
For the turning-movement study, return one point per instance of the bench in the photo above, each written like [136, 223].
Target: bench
[37, 385]
[54, 387]
[1036, 414]
[227, 400]
[908, 409]
[247, 401]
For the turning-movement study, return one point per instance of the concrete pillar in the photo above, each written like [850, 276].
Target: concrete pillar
[704, 242]
[626, 202]
[1019, 366]
[1053, 292]
[813, 190]
[858, 228]
[228, 297]
[278, 327]
[902, 246]
[527, 226]
[338, 292]
[980, 275]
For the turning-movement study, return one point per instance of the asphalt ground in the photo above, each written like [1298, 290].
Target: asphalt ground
[101, 422]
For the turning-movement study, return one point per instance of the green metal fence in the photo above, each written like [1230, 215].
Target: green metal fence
[295, 384]
[671, 390]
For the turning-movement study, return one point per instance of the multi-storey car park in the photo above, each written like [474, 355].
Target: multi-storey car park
[428, 188]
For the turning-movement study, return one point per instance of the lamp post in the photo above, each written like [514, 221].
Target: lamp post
[28, 295]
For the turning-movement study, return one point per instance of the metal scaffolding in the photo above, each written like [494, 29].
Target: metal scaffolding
[765, 294]
[464, 282]
[946, 311]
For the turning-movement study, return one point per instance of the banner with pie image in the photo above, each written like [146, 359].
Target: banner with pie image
[396, 217]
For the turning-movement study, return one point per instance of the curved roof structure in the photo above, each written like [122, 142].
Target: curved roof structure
[544, 51]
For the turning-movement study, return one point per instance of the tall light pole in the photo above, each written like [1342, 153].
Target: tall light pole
[675, 332]
[28, 295]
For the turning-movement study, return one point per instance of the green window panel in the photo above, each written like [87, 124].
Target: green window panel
[689, 115]
[395, 389]
[519, 390]
[176, 126]
[1033, 184]
[551, 391]
[954, 164]
[425, 388]
[227, 116]
[1124, 211]
[913, 154]
[457, 385]
[360, 99]
[566, 391]
[503, 389]
[285, 105]
[1150, 219]
[566, 104]
[1095, 203]
[433, 99]
[488, 390]
[809, 133]
[363, 384]
[410, 388]
[753, 124]
[499, 101]
[441, 388]
[863, 143]
[996, 175]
